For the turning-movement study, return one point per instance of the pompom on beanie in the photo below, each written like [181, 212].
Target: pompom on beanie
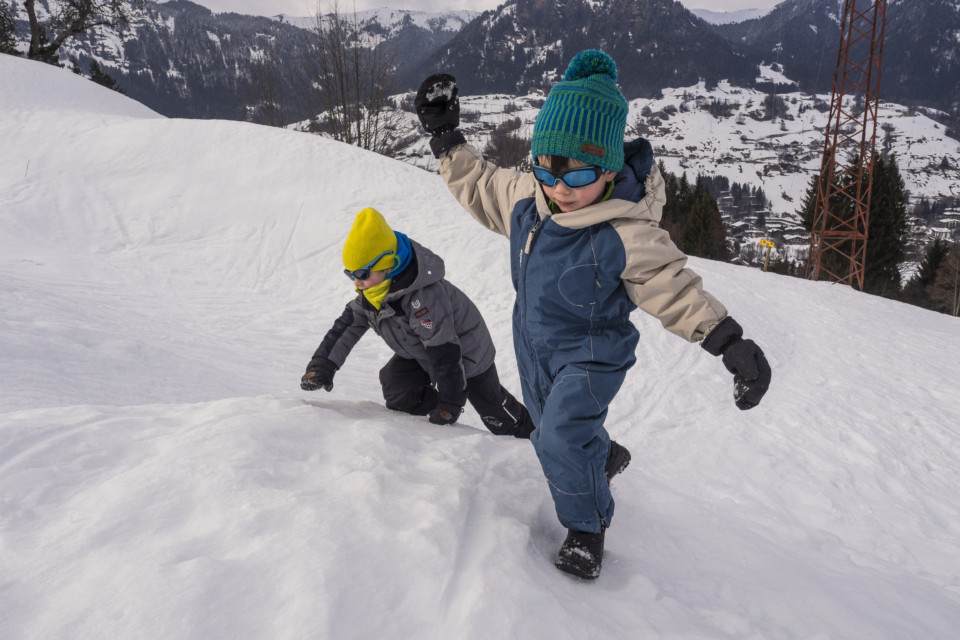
[369, 237]
[585, 115]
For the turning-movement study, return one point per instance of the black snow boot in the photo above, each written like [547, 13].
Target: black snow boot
[617, 460]
[581, 554]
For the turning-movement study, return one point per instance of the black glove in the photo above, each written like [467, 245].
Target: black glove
[448, 410]
[743, 358]
[319, 374]
[437, 104]
[438, 109]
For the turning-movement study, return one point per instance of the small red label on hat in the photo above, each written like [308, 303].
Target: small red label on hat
[593, 150]
[421, 313]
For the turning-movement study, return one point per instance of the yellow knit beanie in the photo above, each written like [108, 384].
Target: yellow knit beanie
[369, 237]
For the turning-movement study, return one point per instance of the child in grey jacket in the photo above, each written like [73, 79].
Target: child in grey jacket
[443, 353]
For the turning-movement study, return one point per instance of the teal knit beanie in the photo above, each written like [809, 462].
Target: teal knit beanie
[585, 115]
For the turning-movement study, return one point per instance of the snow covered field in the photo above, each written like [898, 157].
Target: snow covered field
[164, 282]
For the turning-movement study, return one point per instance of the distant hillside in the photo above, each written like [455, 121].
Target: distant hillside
[526, 44]
[183, 60]
[727, 17]
[804, 35]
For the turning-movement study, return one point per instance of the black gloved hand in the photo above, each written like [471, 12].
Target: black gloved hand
[319, 374]
[437, 104]
[438, 109]
[743, 358]
[447, 410]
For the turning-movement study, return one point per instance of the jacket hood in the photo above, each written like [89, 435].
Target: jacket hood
[634, 192]
[638, 161]
[430, 269]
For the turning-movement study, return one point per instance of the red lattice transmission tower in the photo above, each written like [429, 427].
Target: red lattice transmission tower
[838, 239]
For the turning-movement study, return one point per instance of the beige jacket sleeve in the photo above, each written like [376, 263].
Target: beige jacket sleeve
[656, 277]
[487, 192]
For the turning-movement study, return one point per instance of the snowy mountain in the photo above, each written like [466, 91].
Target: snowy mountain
[727, 17]
[183, 60]
[803, 37]
[163, 283]
[526, 44]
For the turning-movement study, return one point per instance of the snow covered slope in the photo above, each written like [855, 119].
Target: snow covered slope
[162, 285]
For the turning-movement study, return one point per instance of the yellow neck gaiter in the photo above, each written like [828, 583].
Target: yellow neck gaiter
[376, 294]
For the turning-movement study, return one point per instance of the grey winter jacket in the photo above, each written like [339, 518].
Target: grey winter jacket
[424, 318]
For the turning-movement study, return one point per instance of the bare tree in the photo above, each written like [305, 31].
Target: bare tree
[69, 18]
[507, 148]
[265, 100]
[352, 82]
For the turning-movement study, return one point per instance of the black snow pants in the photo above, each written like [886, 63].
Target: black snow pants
[408, 388]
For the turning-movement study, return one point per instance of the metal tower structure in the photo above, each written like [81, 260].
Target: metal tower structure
[838, 238]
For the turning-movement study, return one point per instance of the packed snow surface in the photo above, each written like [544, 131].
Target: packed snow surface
[164, 282]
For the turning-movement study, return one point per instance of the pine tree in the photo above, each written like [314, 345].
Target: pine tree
[8, 31]
[809, 203]
[886, 229]
[832, 261]
[917, 289]
[99, 76]
[673, 217]
[945, 290]
[703, 234]
[736, 192]
[760, 196]
[692, 218]
[684, 190]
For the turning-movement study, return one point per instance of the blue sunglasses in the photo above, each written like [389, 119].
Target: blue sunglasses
[574, 178]
[364, 272]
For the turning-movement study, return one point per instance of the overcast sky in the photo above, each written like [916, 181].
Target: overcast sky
[308, 7]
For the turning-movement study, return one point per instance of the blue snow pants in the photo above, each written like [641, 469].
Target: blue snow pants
[574, 343]
[569, 401]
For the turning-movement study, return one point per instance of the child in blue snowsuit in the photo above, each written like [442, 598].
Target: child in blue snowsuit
[586, 249]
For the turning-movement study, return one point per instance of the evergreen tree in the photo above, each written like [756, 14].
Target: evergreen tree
[673, 210]
[945, 290]
[917, 289]
[8, 31]
[684, 189]
[703, 234]
[841, 208]
[809, 203]
[736, 192]
[760, 196]
[785, 267]
[887, 229]
[924, 209]
[99, 76]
